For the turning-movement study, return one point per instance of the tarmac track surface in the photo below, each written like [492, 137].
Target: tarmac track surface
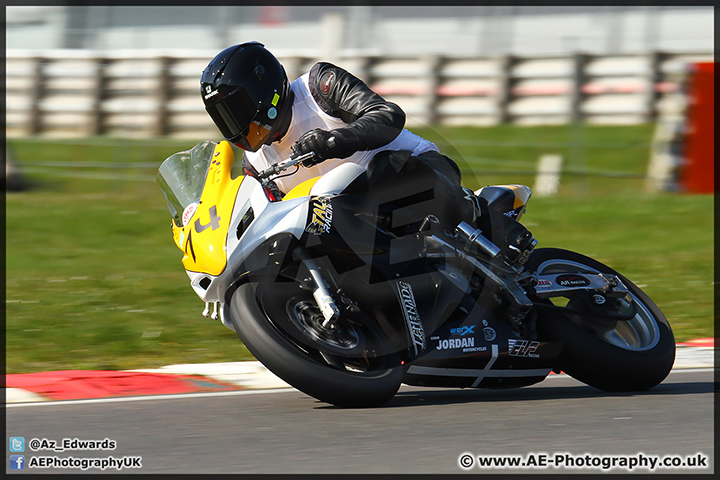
[421, 430]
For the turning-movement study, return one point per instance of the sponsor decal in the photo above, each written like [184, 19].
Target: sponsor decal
[209, 92]
[474, 349]
[189, 212]
[275, 100]
[321, 219]
[462, 330]
[543, 283]
[326, 82]
[412, 317]
[451, 343]
[512, 214]
[523, 348]
[466, 343]
[572, 280]
[489, 334]
[272, 113]
[599, 299]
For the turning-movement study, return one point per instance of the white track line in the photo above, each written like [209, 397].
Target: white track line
[149, 397]
[232, 393]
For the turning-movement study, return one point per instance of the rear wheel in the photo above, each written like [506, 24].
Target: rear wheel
[345, 365]
[613, 355]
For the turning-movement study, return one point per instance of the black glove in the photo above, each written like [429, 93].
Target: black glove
[323, 143]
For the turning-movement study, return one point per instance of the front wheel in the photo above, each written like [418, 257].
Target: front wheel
[625, 355]
[341, 369]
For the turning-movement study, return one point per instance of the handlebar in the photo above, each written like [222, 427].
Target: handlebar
[284, 165]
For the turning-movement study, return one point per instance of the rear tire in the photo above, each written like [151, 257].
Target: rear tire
[636, 355]
[304, 369]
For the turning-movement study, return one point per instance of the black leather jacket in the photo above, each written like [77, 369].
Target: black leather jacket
[372, 121]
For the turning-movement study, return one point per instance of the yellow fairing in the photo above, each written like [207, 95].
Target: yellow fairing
[302, 190]
[202, 239]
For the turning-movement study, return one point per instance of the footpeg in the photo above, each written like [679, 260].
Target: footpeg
[520, 247]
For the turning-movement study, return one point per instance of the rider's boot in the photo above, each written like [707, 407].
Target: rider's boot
[519, 243]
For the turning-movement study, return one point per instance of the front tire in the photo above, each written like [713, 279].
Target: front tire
[315, 373]
[633, 355]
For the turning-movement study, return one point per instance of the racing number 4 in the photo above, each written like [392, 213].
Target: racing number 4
[214, 221]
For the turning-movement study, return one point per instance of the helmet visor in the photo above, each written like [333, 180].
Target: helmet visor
[235, 117]
[254, 136]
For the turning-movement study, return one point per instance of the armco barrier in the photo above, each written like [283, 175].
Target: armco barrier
[69, 93]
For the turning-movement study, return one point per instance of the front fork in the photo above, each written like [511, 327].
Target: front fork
[321, 294]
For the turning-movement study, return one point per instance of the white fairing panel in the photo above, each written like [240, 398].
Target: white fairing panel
[336, 180]
[269, 219]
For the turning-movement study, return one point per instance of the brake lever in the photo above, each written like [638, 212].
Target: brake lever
[285, 164]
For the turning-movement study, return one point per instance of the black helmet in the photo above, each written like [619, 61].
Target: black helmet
[247, 94]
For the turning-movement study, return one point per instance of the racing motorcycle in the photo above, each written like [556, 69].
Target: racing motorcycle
[338, 296]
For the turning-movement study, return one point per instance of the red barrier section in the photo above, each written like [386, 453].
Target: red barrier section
[700, 342]
[77, 384]
[698, 175]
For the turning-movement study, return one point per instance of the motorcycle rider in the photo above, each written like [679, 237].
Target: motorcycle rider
[332, 113]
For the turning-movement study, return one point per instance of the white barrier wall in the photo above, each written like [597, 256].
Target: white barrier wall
[79, 93]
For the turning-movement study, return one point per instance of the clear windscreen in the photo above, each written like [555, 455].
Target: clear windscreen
[181, 177]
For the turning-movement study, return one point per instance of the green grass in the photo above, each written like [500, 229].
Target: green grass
[94, 280]
[509, 154]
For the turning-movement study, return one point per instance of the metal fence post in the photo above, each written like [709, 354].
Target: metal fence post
[35, 123]
[96, 119]
[654, 59]
[580, 60]
[163, 95]
[433, 64]
[504, 96]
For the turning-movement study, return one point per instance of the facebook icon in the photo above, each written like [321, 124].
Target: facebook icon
[17, 462]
